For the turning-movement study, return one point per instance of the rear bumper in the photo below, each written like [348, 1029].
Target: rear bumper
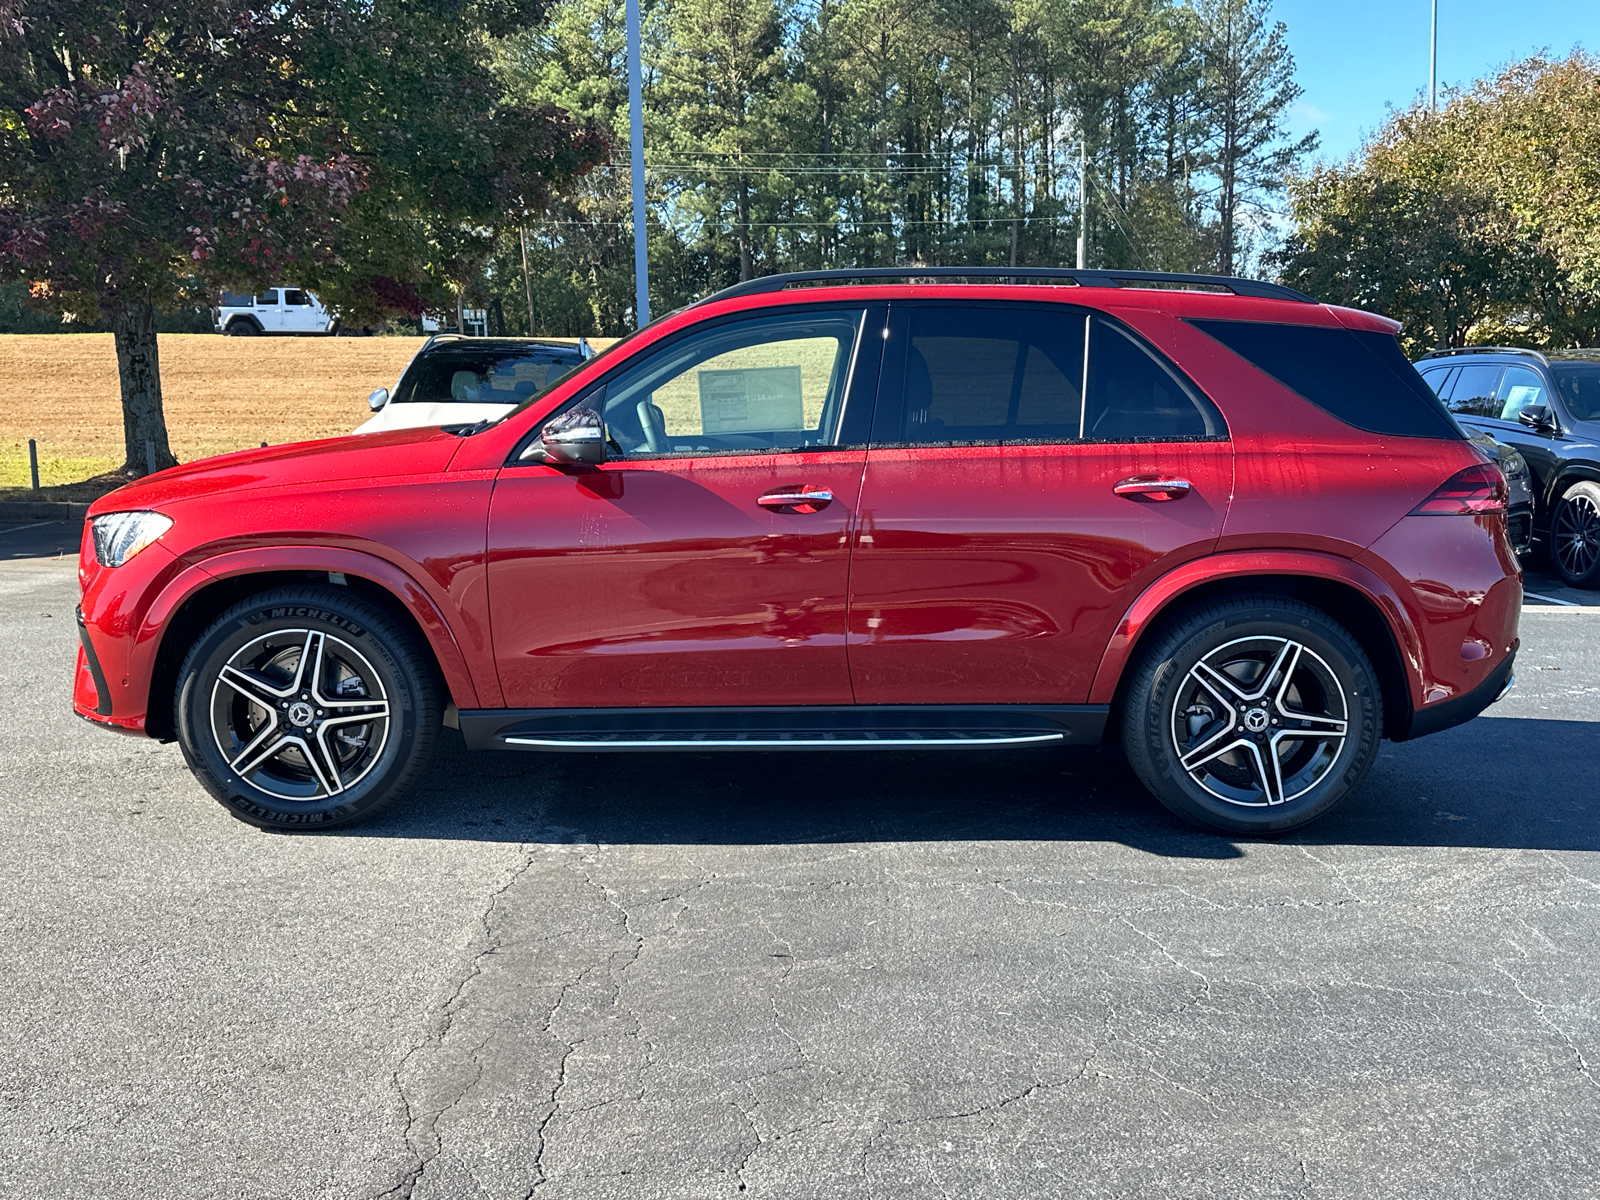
[1447, 713]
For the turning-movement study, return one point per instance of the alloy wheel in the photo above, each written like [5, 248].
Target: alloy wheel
[1259, 721]
[1577, 535]
[299, 714]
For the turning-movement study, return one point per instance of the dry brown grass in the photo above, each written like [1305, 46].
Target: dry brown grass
[220, 394]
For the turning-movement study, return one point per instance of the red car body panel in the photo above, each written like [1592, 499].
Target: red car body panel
[970, 575]
[662, 582]
[996, 574]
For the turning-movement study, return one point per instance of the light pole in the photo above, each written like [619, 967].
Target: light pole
[641, 260]
[1433, 60]
[1083, 202]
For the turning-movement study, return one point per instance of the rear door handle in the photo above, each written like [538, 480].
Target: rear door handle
[1152, 487]
[801, 500]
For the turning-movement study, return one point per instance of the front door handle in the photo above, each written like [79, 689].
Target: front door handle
[1152, 487]
[801, 500]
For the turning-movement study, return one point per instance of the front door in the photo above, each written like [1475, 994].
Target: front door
[1011, 508]
[706, 562]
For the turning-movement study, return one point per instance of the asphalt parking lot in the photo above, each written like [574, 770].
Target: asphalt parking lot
[789, 976]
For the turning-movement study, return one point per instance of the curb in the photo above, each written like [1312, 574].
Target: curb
[42, 510]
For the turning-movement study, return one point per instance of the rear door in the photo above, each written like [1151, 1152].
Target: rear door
[995, 554]
[269, 310]
[705, 564]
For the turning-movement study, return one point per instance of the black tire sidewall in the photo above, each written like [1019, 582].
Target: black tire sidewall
[1147, 716]
[1590, 579]
[363, 628]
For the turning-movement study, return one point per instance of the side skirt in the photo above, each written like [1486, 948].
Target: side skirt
[854, 727]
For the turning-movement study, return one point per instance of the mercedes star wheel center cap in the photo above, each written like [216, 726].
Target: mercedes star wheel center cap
[300, 713]
[1256, 720]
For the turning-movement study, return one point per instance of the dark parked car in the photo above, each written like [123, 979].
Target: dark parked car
[1230, 529]
[1519, 485]
[1548, 407]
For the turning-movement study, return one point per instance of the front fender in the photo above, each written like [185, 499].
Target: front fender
[1172, 586]
[403, 586]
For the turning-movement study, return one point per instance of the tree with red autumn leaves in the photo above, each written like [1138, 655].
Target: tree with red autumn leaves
[153, 151]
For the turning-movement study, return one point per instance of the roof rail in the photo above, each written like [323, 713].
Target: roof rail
[1083, 278]
[1486, 350]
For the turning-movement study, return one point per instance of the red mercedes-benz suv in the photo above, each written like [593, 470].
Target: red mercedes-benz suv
[1209, 518]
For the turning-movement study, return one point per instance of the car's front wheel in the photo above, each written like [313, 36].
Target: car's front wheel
[306, 708]
[1252, 715]
[1575, 535]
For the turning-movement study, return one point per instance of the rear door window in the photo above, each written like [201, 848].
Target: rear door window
[1361, 378]
[1439, 379]
[1474, 393]
[1000, 375]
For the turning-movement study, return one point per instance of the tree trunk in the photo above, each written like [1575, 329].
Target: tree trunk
[144, 424]
[746, 261]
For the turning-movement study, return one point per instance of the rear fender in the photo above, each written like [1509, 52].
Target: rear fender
[1303, 564]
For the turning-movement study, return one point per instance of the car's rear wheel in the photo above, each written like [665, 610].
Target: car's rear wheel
[306, 708]
[1575, 535]
[1253, 715]
[242, 329]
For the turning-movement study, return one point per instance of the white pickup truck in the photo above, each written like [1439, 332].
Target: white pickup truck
[280, 310]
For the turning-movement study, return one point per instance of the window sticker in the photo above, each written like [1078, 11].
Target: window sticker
[751, 399]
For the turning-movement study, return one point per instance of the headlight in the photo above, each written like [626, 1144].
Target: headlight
[119, 536]
[1513, 464]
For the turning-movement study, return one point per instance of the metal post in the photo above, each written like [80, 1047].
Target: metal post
[641, 258]
[527, 282]
[1433, 60]
[1083, 202]
[149, 456]
[33, 462]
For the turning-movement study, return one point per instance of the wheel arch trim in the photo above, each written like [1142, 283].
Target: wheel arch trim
[398, 583]
[1159, 597]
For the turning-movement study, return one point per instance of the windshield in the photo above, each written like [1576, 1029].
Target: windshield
[539, 395]
[1580, 388]
[479, 374]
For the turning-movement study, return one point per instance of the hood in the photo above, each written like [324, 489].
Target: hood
[371, 456]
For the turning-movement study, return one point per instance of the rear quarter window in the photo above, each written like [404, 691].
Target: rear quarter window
[1361, 378]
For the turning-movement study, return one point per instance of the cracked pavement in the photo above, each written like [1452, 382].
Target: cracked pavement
[791, 976]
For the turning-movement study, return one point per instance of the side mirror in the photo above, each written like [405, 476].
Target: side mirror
[576, 437]
[378, 399]
[1536, 416]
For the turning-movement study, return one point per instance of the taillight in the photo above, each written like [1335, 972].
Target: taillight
[1479, 489]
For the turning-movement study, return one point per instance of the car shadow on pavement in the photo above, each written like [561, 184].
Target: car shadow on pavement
[1506, 783]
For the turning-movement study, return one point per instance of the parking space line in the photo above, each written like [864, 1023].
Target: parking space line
[35, 525]
[1561, 608]
[1551, 599]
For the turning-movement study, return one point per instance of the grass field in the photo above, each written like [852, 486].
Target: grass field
[220, 394]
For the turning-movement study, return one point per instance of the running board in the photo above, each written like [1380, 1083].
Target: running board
[863, 727]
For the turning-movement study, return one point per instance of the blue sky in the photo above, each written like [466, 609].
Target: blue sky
[1355, 57]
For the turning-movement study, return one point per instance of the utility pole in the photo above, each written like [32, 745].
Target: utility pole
[641, 258]
[1083, 202]
[1433, 60]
